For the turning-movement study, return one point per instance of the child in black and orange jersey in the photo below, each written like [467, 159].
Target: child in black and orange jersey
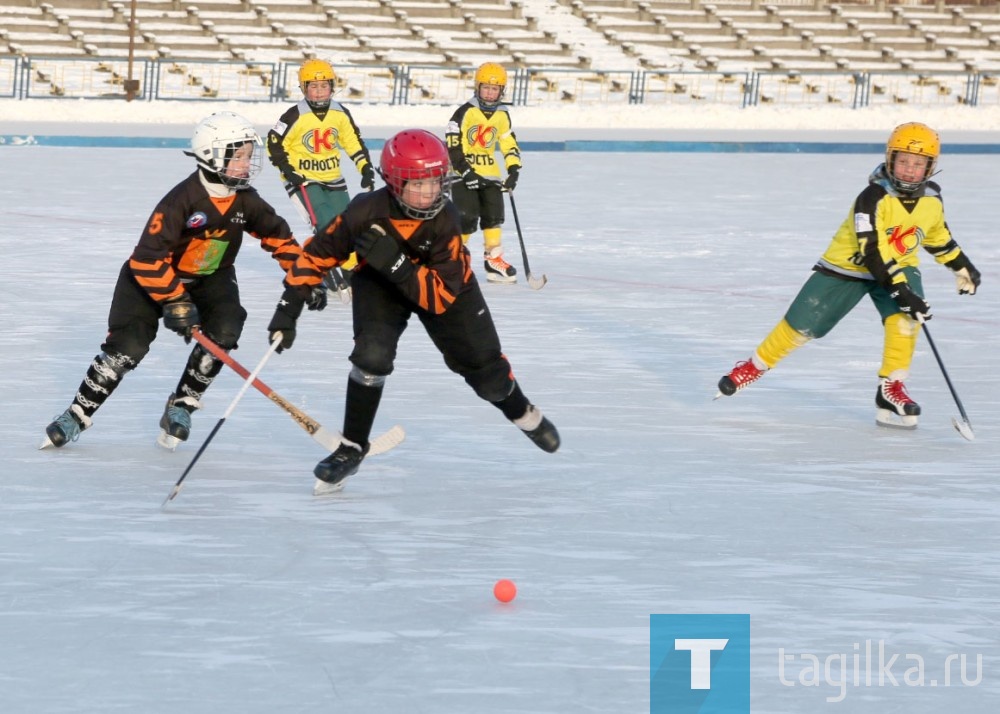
[182, 270]
[413, 262]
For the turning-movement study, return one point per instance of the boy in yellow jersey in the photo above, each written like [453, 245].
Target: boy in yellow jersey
[305, 146]
[874, 253]
[475, 131]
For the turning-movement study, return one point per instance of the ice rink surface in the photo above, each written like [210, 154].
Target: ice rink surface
[247, 594]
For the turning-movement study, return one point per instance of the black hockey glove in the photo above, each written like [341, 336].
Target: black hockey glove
[910, 303]
[368, 177]
[293, 178]
[471, 180]
[285, 314]
[181, 316]
[317, 298]
[512, 174]
[382, 252]
[966, 276]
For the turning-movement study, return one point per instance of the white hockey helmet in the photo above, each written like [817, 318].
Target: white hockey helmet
[215, 141]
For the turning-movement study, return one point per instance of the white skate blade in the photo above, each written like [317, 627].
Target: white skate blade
[322, 488]
[884, 417]
[165, 441]
[964, 428]
[47, 442]
[501, 279]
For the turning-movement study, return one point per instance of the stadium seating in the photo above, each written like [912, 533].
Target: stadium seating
[736, 35]
[791, 44]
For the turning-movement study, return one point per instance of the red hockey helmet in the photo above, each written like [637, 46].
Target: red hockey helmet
[415, 154]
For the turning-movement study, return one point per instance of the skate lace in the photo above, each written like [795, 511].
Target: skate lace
[895, 392]
[68, 425]
[498, 263]
[745, 373]
[179, 416]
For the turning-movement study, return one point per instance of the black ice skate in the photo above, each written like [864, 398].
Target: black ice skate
[498, 270]
[66, 427]
[895, 408]
[539, 429]
[175, 424]
[340, 464]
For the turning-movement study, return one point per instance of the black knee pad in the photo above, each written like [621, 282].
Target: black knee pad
[224, 326]
[130, 347]
[469, 224]
[492, 382]
[373, 358]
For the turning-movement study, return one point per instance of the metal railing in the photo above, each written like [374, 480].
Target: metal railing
[208, 80]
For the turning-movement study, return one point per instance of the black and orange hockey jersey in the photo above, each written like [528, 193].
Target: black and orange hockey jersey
[191, 234]
[443, 264]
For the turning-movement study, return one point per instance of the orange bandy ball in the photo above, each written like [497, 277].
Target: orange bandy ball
[504, 590]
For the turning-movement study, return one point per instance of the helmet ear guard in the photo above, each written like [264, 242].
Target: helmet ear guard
[917, 139]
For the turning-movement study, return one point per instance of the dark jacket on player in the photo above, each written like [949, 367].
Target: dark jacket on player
[191, 234]
[443, 265]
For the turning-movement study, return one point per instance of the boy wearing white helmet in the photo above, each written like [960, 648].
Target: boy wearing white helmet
[182, 270]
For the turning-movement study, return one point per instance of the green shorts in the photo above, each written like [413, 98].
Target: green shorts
[825, 300]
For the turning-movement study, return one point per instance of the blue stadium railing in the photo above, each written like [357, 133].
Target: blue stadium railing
[209, 80]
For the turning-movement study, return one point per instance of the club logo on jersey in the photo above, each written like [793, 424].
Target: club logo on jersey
[196, 220]
[904, 241]
[480, 135]
[318, 141]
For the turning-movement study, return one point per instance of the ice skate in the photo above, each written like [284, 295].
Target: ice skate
[66, 427]
[539, 429]
[743, 375]
[498, 270]
[895, 408]
[335, 468]
[175, 424]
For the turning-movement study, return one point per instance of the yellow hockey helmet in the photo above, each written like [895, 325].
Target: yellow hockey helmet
[912, 138]
[315, 70]
[493, 74]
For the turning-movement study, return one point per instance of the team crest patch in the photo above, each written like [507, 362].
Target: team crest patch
[197, 220]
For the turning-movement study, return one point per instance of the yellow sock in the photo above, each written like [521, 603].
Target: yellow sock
[782, 341]
[465, 238]
[491, 239]
[900, 341]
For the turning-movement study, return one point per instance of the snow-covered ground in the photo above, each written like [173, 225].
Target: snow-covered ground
[786, 502]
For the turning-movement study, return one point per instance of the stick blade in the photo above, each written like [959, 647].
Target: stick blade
[963, 427]
[536, 283]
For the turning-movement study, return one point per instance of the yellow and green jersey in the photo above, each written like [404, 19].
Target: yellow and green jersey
[473, 136]
[884, 230]
[308, 143]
